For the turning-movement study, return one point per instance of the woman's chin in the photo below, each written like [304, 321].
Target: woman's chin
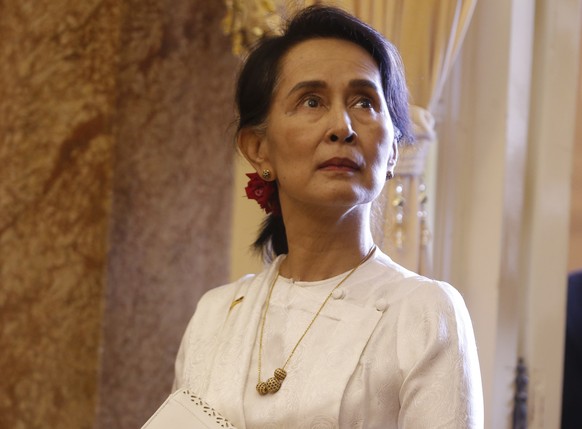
[344, 200]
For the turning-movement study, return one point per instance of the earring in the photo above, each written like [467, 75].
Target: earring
[398, 204]
[389, 175]
[266, 174]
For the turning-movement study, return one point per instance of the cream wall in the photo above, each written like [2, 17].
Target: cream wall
[482, 157]
[575, 249]
[503, 207]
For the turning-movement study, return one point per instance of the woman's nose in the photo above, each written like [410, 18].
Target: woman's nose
[349, 139]
[341, 128]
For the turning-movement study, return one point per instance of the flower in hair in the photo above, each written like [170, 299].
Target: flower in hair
[265, 193]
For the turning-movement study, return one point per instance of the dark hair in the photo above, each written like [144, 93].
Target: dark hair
[259, 75]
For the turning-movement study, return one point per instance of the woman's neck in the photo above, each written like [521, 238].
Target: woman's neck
[322, 246]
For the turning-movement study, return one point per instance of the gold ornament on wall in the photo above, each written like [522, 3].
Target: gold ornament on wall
[248, 21]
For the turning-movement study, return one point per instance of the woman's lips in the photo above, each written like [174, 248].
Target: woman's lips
[339, 164]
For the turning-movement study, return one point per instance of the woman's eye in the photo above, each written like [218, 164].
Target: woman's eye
[365, 103]
[312, 102]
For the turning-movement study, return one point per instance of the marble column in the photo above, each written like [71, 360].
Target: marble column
[170, 225]
[115, 182]
[57, 109]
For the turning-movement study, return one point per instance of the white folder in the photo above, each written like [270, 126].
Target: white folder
[184, 410]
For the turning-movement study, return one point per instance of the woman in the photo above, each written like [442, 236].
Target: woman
[332, 333]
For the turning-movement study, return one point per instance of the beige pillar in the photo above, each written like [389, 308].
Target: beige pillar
[504, 198]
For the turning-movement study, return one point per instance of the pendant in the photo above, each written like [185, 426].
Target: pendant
[262, 388]
[273, 384]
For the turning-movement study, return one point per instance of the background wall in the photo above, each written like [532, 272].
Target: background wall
[57, 107]
[503, 210]
[171, 196]
[115, 196]
[115, 186]
[575, 250]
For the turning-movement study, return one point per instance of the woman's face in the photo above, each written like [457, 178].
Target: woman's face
[329, 138]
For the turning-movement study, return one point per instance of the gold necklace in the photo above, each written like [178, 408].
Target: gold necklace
[273, 384]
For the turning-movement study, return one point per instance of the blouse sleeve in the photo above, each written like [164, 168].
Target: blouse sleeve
[438, 358]
[179, 381]
[202, 329]
[201, 334]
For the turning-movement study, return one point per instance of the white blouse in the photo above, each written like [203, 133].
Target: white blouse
[390, 350]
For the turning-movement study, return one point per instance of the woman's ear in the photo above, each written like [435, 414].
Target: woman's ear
[253, 145]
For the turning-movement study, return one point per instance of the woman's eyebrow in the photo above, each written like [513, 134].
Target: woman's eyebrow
[309, 84]
[320, 84]
[363, 83]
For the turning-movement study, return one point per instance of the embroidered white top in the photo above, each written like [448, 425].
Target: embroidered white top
[390, 350]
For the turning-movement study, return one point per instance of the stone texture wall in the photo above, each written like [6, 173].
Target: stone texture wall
[171, 207]
[115, 172]
[57, 92]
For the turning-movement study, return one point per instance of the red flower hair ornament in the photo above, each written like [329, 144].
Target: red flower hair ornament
[264, 193]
